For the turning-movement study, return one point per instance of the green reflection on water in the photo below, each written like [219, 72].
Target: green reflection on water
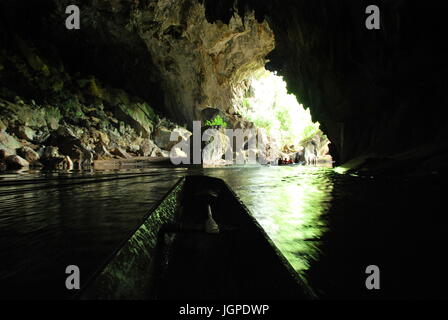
[289, 203]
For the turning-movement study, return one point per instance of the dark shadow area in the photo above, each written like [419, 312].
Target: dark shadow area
[400, 228]
[236, 263]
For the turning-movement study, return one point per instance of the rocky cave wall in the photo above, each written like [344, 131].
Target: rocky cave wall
[203, 65]
[375, 93]
[129, 61]
[163, 51]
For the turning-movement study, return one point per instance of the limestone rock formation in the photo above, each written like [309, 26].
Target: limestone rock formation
[24, 132]
[28, 154]
[148, 148]
[139, 116]
[190, 60]
[101, 153]
[217, 145]
[202, 64]
[2, 126]
[177, 155]
[166, 139]
[16, 162]
[367, 89]
[164, 51]
[167, 53]
[8, 142]
[120, 153]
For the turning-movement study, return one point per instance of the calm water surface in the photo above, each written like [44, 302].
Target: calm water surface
[329, 226]
[289, 203]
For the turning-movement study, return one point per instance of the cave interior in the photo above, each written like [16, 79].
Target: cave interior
[378, 95]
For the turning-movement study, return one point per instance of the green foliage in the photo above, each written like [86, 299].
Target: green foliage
[310, 131]
[273, 109]
[217, 121]
[263, 123]
[284, 118]
[246, 103]
[71, 109]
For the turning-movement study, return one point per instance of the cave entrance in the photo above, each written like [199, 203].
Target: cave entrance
[288, 123]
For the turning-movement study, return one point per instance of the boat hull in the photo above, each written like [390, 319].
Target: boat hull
[171, 256]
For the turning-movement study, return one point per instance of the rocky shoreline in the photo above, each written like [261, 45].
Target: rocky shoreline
[37, 136]
[54, 116]
[74, 136]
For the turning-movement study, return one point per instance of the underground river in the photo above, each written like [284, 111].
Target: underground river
[329, 226]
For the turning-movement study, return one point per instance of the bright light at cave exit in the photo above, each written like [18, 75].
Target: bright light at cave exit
[270, 106]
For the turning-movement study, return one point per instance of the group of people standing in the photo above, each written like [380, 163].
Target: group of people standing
[285, 161]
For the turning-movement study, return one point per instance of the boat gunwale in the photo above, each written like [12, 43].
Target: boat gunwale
[283, 260]
[246, 211]
[95, 275]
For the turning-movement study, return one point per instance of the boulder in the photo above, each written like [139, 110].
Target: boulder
[157, 152]
[26, 133]
[164, 153]
[99, 137]
[147, 147]
[30, 116]
[16, 162]
[87, 157]
[101, 152]
[69, 143]
[66, 132]
[177, 155]
[163, 137]
[4, 154]
[138, 116]
[324, 148]
[217, 146]
[183, 133]
[268, 149]
[53, 121]
[41, 135]
[40, 150]
[120, 153]
[310, 153]
[50, 152]
[28, 154]
[133, 148]
[8, 143]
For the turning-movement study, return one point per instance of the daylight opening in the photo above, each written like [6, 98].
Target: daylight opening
[268, 105]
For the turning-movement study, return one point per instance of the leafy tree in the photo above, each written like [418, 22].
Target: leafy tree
[217, 121]
[272, 108]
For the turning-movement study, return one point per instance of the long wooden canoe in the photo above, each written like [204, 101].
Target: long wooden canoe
[172, 256]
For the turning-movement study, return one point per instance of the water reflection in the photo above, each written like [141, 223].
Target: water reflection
[289, 203]
[329, 226]
[51, 220]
